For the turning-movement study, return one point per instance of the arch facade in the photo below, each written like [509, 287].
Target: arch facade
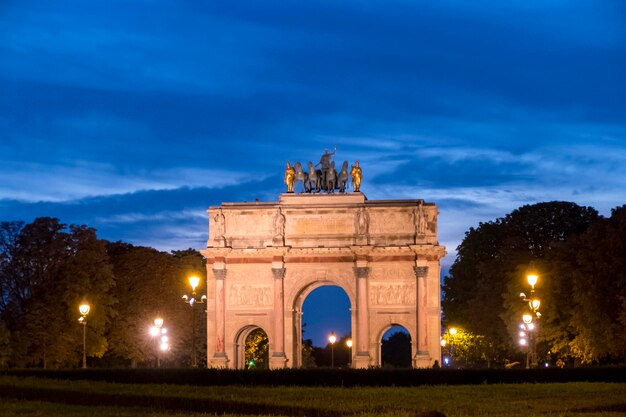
[263, 259]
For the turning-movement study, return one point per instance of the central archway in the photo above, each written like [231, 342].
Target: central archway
[325, 308]
[298, 313]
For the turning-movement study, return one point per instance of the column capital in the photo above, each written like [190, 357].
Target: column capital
[420, 271]
[279, 273]
[361, 271]
[219, 274]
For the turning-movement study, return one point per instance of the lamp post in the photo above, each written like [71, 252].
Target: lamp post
[452, 331]
[193, 281]
[84, 310]
[162, 341]
[529, 326]
[332, 339]
[349, 344]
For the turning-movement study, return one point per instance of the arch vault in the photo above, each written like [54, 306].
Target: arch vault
[264, 258]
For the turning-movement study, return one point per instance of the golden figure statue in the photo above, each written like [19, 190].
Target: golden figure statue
[290, 177]
[356, 174]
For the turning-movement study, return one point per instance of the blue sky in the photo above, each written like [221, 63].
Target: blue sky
[134, 116]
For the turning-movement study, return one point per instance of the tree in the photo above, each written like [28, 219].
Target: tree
[481, 293]
[5, 345]
[257, 350]
[467, 349]
[149, 284]
[587, 287]
[45, 272]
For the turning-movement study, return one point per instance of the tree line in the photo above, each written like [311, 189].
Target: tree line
[47, 269]
[580, 258]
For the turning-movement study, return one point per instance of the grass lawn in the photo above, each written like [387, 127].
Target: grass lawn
[80, 398]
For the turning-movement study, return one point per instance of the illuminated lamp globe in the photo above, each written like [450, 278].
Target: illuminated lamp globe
[534, 304]
[332, 338]
[452, 331]
[154, 331]
[194, 281]
[532, 279]
[158, 322]
[84, 309]
[349, 343]
[527, 318]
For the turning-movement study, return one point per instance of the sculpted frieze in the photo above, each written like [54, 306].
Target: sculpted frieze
[392, 294]
[250, 295]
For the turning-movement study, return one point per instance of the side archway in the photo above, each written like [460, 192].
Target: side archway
[395, 347]
[251, 346]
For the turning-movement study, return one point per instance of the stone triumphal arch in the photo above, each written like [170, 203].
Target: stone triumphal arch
[264, 258]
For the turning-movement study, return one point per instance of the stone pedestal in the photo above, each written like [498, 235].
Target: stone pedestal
[278, 361]
[422, 360]
[219, 360]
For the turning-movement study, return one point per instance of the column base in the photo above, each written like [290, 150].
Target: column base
[219, 360]
[278, 360]
[422, 360]
[361, 360]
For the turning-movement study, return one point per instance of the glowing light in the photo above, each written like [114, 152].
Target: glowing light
[158, 322]
[194, 281]
[349, 343]
[443, 342]
[532, 279]
[522, 334]
[84, 309]
[164, 346]
[154, 331]
[531, 326]
[523, 342]
[527, 318]
[534, 304]
[452, 331]
[332, 338]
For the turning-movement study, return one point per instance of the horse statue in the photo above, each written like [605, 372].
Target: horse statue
[301, 176]
[331, 178]
[315, 179]
[342, 178]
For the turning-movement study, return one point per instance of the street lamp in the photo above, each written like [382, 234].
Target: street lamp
[349, 344]
[84, 310]
[529, 326]
[162, 341]
[332, 339]
[193, 281]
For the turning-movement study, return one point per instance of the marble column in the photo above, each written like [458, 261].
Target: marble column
[219, 357]
[421, 358]
[278, 359]
[362, 358]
